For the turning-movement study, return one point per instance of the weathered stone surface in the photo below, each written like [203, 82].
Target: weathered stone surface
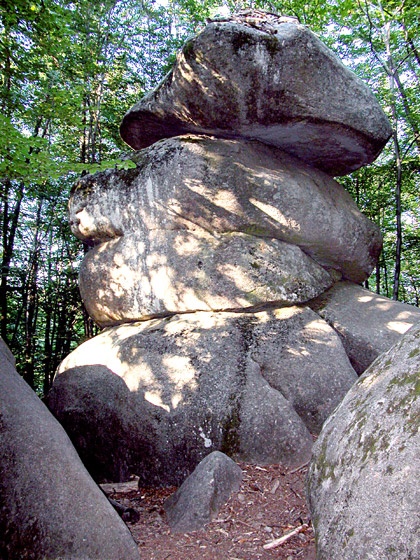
[364, 483]
[49, 505]
[307, 363]
[281, 86]
[202, 495]
[367, 323]
[129, 278]
[179, 393]
[154, 398]
[228, 186]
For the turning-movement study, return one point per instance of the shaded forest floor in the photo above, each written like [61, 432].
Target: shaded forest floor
[270, 504]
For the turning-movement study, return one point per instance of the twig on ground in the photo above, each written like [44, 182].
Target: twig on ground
[243, 523]
[300, 467]
[286, 537]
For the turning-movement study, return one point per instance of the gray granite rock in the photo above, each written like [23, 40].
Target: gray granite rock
[49, 505]
[202, 495]
[368, 324]
[154, 398]
[364, 482]
[307, 363]
[132, 278]
[225, 186]
[281, 86]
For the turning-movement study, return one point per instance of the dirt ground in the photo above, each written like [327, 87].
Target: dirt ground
[270, 504]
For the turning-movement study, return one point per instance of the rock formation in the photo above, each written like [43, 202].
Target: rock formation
[212, 224]
[49, 505]
[271, 80]
[251, 385]
[363, 483]
[206, 256]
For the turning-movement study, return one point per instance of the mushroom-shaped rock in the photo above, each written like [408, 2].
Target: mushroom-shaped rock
[271, 80]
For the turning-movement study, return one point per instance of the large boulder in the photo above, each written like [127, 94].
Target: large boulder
[278, 84]
[49, 505]
[154, 398]
[132, 278]
[225, 186]
[364, 480]
[368, 324]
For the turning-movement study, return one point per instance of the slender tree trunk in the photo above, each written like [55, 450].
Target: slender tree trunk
[407, 109]
[32, 304]
[386, 278]
[397, 153]
[378, 278]
[398, 243]
[47, 351]
[413, 48]
[83, 139]
[48, 321]
[9, 223]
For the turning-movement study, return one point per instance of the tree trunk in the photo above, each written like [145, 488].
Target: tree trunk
[32, 305]
[9, 223]
[392, 81]
[398, 243]
[378, 278]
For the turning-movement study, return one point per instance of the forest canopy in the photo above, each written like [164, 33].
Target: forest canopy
[69, 72]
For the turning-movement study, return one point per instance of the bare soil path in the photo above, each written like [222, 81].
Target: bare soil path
[270, 504]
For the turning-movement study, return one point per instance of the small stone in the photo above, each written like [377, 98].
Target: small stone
[203, 493]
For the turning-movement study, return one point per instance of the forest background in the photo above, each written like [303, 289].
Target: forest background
[69, 72]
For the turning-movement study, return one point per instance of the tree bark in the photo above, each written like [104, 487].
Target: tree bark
[31, 311]
[9, 224]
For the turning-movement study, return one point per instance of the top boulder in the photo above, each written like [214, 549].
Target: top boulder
[267, 78]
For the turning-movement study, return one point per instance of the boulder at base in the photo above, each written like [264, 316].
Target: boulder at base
[49, 505]
[132, 278]
[202, 495]
[225, 186]
[154, 398]
[281, 86]
[364, 479]
[368, 324]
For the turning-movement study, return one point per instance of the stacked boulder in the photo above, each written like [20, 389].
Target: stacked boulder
[206, 256]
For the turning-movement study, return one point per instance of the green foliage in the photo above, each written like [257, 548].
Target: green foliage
[69, 71]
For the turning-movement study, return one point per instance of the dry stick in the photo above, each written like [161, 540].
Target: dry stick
[298, 468]
[246, 524]
[285, 538]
